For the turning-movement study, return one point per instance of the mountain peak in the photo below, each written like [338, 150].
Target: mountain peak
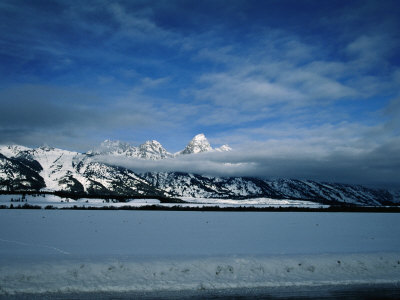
[200, 137]
[112, 147]
[12, 150]
[197, 145]
[152, 142]
[153, 150]
[223, 148]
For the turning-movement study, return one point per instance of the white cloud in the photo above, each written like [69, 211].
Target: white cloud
[373, 166]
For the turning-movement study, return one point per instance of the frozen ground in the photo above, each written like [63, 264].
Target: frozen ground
[53, 251]
[56, 201]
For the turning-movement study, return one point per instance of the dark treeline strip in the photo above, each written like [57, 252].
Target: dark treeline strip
[368, 209]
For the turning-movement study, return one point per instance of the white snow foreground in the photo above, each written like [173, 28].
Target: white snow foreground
[208, 273]
[70, 251]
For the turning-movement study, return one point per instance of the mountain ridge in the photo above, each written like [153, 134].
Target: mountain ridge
[52, 169]
[153, 149]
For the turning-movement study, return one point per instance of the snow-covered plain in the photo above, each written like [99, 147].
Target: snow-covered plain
[58, 202]
[43, 200]
[44, 251]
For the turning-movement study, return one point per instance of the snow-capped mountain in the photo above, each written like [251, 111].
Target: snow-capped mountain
[200, 144]
[12, 150]
[17, 176]
[152, 150]
[197, 145]
[52, 169]
[192, 185]
[116, 148]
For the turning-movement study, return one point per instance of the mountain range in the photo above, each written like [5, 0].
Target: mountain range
[51, 169]
[153, 150]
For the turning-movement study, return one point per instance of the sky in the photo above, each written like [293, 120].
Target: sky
[296, 88]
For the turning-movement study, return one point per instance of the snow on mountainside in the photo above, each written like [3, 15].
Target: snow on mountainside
[116, 148]
[15, 175]
[53, 169]
[153, 150]
[197, 145]
[12, 150]
[57, 166]
[200, 144]
[149, 150]
[191, 185]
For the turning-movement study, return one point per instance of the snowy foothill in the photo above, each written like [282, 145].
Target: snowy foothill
[76, 251]
[254, 202]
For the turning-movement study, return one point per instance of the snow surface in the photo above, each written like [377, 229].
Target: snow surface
[56, 163]
[254, 202]
[12, 150]
[59, 202]
[92, 251]
[197, 145]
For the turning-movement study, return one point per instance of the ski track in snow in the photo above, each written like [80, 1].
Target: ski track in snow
[35, 245]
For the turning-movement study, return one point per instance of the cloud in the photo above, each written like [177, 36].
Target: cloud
[51, 114]
[375, 167]
[311, 78]
[344, 153]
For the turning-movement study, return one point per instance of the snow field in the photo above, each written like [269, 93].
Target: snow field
[45, 251]
[207, 273]
[59, 202]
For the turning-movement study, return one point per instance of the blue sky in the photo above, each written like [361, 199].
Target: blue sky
[317, 78]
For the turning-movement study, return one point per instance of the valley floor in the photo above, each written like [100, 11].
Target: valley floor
[57, 251]
[55, 201]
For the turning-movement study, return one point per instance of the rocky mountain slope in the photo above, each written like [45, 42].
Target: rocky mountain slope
[16, 175]
[52, 169]
[192, 185]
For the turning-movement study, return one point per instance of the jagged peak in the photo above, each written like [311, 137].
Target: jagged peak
[152, 142]
[153, 150]
[197, 145]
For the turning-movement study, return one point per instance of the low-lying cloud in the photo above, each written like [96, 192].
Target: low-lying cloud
[377, 167]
